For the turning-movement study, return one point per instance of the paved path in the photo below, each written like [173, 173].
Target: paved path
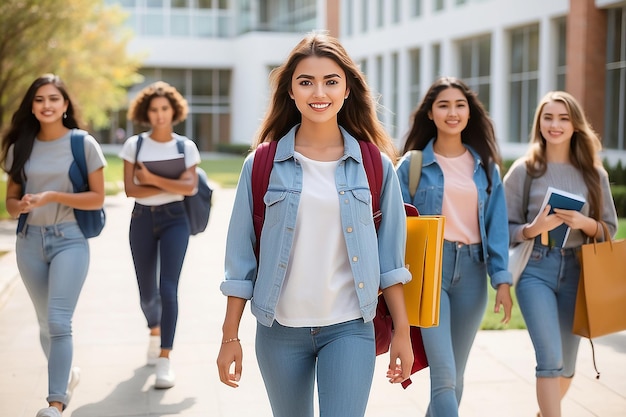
[111, 340]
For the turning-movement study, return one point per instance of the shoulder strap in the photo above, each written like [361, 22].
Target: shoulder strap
[139, 142]
[261, 170]
[77, 141]
[527, 181]
[180, 144]
[415, 171]
[373, 164]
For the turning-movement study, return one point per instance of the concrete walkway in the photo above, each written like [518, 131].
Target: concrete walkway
[111, 339]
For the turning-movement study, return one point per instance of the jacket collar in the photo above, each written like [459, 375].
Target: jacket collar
[286, 145]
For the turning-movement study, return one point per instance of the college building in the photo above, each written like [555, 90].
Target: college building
[219, 53]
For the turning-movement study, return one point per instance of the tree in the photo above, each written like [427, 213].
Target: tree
[82, 41]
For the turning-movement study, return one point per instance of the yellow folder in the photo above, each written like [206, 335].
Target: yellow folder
[424, 252]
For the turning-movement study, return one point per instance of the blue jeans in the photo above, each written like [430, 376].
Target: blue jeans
[53, 262]
[447, 346]
[342, 355]
[159, 236]
[546, 293]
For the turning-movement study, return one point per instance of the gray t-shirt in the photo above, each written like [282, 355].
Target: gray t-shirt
[559, 175]
[47, 169]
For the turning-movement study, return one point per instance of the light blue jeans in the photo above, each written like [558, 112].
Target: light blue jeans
[342, 356]
[53, 262]
[546, 293]
[463, 303]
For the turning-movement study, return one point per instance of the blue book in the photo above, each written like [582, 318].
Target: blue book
[561, 200]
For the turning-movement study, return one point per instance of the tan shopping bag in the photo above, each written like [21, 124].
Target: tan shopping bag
[601, 297]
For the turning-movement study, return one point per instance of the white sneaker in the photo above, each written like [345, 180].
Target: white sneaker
[73, 381]
[164, 374]
[49, 412]
[154, 349]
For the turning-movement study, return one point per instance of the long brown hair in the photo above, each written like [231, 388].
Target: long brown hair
[25, 126]
[479, 132]
[358, 114]
[584, 148]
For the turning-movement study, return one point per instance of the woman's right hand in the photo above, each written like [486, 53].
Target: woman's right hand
[543, 222]
[230, 352]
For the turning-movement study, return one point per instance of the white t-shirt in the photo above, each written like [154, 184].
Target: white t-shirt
[152, 150]
[319, 285]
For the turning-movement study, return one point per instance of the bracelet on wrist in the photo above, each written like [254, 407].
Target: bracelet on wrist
[234, 339]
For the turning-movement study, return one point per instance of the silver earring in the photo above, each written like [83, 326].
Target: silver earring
[64, 115]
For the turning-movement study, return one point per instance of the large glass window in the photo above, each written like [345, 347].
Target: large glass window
[523, 81]
[415, 94]
[615, 105]
[475, 63]
[394, 96]
[561, 57]
[416, 8]
[436, 60]
[438, 5]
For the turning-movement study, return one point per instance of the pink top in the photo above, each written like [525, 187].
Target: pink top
[460, 199]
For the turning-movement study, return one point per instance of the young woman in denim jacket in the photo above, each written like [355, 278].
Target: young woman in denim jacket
[461, 180]
[321, 264]
[563, 153]
[52, 253]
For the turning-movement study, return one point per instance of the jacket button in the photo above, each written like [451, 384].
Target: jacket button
[342, 192]
[349, 230]
[361, 285]
[355, 258]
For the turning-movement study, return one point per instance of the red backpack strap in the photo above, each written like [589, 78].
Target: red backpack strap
[261, 170]
[373, 163]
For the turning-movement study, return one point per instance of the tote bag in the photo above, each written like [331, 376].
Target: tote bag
[601, 293]
[424, 254]
[518, 258]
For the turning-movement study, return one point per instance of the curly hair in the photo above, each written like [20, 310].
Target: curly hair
[479, 132]
[584, 149]
[358, 114]
[24, 125]
[138, 110]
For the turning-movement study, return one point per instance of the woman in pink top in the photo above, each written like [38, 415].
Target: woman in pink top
[460, 179]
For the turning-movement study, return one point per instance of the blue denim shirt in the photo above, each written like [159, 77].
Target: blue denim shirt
[377, 261]
[492, 214]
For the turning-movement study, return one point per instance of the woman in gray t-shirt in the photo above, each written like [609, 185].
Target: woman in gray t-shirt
[52, 252]
[563, 154]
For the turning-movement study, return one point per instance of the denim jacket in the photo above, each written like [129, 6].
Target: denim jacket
[492, 214]
[377, 260]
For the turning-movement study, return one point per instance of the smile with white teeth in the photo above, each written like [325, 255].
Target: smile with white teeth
[320, 106]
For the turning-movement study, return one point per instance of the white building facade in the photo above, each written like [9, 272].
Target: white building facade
[218, 53]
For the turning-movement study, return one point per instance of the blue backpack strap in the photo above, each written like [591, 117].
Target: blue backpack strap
[139, 142]
[180, 144]
[77, 141]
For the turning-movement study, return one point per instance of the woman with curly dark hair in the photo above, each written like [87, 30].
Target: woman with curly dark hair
[158, 176]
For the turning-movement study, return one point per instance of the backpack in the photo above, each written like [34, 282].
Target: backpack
[198, 206]
[372, 161]
[91, 222]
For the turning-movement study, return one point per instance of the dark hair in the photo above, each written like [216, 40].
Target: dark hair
[584, 148]
[479, 132]
[25, 126]
[358, 114]
[138, 110]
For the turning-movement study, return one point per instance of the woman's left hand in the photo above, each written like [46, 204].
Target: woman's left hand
[503, 298]
[400, 357]
[143, 174]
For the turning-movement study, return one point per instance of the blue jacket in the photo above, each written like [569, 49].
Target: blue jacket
[377, 260]
[492, 214]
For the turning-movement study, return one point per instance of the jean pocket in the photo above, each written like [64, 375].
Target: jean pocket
[274, 206]
[363, 205]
